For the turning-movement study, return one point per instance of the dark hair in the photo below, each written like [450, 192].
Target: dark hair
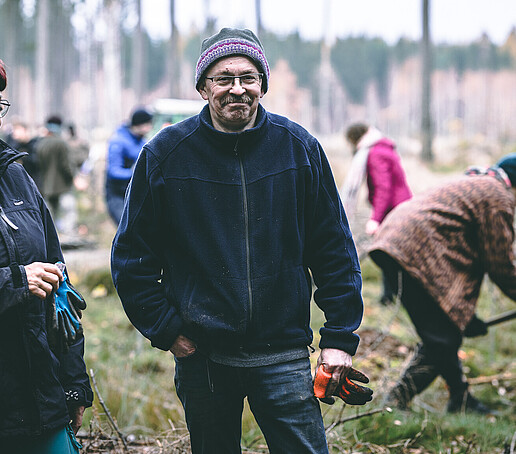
[3, 76]
[355, 132]
[54, 120]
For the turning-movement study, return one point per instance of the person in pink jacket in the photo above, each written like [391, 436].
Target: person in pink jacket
[375, 158]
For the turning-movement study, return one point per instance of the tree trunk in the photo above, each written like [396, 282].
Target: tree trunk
[426, 99]
[173, 57]
[325, 76]
[138, 70]
[42, 65]
[60, 56]
[112, 68]
[258, 12]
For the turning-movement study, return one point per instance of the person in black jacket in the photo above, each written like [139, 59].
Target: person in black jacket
[228, 215]
[44, 385]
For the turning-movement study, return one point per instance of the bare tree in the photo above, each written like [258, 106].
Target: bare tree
[112, 64]
[61, 55]
[138, 70]
[173, 54]
[258, 12]
[426, 99]
[325, 75]
[42, 64]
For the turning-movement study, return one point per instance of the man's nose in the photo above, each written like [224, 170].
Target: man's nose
[237, 86]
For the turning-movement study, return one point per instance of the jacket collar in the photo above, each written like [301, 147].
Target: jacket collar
[228, 140]
[7, 156]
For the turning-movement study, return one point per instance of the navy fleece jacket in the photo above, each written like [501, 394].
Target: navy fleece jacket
[220, 234]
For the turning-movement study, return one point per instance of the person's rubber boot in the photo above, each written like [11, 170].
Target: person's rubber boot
[416, 378]
[465, 402]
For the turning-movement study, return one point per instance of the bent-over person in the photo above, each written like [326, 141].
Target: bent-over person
[443, 243]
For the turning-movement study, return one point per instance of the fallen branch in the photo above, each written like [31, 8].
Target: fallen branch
[106, 410]
[505, 376]
[361, 415]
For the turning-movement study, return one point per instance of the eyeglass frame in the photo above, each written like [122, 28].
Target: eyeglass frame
[228, 76]
[5, 107]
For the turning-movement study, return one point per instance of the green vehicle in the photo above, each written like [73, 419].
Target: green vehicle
[167, 111]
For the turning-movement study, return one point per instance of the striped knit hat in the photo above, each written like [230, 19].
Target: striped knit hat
[232, 41]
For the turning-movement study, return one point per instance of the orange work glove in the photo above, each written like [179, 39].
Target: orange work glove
[348, 391]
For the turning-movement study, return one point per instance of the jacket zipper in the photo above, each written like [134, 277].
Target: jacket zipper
[246, 223]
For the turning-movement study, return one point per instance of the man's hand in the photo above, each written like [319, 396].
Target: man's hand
[76, 415]
[183, 347]
[43, 278]
[336, 362]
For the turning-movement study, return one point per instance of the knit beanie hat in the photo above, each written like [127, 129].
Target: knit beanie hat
[508, 164]
[140, 116]
[232, 41]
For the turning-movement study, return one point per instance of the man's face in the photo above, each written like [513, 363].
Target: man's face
[141, 130]
[232, 108]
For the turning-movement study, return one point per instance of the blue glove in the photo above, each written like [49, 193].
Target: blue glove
[67, 304]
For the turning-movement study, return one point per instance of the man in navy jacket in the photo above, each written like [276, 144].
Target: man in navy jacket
[229, 214]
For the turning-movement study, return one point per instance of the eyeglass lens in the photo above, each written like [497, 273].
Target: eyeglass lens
[245, 79]
[4, 107]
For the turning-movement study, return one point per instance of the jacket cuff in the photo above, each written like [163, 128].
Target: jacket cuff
[348, 342]
[17, 275]
[78, 397]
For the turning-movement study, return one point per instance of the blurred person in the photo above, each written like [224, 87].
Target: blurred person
[443, 242]
[226, 215]
[80, 148]
[45, 388]
[79, 153]
[376, 160]
[123, 150]
[21, 139]
[54, 155]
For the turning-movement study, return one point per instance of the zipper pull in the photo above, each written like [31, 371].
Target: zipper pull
[7, 220]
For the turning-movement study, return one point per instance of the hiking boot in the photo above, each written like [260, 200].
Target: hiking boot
[459, 403]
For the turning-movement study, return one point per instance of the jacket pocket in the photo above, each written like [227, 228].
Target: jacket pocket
[214, 308]
[282, 306]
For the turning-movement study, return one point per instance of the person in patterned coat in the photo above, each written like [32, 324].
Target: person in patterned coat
[439, 245]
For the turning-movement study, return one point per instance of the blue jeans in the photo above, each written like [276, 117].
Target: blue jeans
[280, 397]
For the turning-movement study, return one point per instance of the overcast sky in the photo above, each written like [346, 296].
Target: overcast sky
[452, 21]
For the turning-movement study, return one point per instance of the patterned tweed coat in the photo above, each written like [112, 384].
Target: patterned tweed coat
[450, 237]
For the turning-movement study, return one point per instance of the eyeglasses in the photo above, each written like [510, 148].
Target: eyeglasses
[246, 80]
[4, 107]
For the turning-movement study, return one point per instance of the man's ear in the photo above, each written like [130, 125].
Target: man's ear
[202, 91]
